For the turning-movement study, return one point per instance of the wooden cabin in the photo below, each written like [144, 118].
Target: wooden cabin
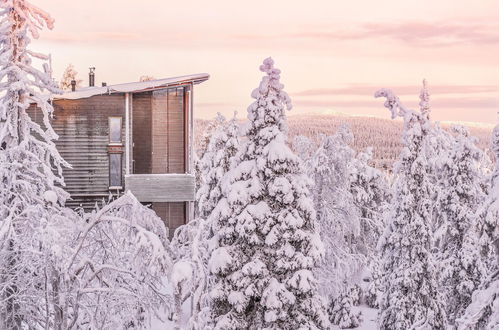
[133, 136]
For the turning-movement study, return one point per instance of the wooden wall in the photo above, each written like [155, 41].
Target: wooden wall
[174, 214]
[82, 126]
[168, 131]
[159, 143]
[158, 126]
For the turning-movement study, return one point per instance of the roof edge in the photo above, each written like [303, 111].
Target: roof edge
[133, 87]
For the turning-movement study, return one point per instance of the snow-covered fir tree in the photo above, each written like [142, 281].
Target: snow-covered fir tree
[191, 241]
[461, 265]
[341, 311]
[337, 215]
[410, 292]
[217, 160]
[303, 147]
[373, 292]
[371, 195]
[265, 226]
[30, 165]
[68, 76]
[483, 312]
[489, 213]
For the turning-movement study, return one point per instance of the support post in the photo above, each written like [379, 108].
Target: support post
[190, 163]
[127, 134]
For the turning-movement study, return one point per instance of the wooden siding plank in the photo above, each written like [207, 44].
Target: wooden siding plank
[161, 187]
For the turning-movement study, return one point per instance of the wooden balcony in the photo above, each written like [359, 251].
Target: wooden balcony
[162, 187]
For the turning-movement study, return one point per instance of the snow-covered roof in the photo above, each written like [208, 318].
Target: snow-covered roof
[133, 86]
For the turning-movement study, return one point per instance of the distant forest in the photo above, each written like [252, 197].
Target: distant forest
[384, 135]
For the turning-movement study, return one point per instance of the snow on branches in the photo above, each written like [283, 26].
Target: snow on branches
[58, 269]
[265, 227]
[483, 312]
[30, 165]
[217, 160]
[410, 298]
[461, 193]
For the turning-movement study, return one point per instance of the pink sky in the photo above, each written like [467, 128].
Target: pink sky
[333, 54]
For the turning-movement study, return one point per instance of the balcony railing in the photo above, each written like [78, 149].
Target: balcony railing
[162, 187]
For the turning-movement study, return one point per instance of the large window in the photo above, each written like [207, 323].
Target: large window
[115, 151]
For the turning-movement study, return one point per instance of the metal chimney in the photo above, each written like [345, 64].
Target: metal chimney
[73, 85]
[91, 77]
[104, 84]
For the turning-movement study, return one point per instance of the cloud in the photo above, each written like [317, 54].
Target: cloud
[429, 34]
[368, 90]
[91, 37]
[473, 103]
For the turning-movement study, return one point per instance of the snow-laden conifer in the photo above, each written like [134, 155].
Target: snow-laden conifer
[483, 312]
[489, 213]
[191, 241]
[216, 162]
[459, 258]
[265, 227]
[410, 293]
[342, 313]
[338, 217]
[30, 166]
[371, 195]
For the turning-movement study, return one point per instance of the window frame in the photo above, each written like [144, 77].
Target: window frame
[111, 187]
[113, 143]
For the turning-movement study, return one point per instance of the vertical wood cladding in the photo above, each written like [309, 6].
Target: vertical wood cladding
[83, 129]
[142, 133]
[176, 131]
[168, 131]
[159, 143]
[160, 131]
[173, 214]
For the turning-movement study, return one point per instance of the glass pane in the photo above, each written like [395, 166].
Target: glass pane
[115, 130]
[115, 170]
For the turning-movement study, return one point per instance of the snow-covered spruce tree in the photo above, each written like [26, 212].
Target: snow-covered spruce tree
[483, 312]
[341, 311]
[265, 227]
[410, 295]
[338, 217]
[191, 241]
[30, 165]
[199, 166]
[461, 265]
[489, 214]
[371, 195]
[69, 75]
[217, 160]
[373, 292]
[303, 147]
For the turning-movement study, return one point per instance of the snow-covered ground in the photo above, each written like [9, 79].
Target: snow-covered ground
[369, 316]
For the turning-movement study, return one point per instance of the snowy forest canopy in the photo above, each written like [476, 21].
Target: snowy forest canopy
[294, 233]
